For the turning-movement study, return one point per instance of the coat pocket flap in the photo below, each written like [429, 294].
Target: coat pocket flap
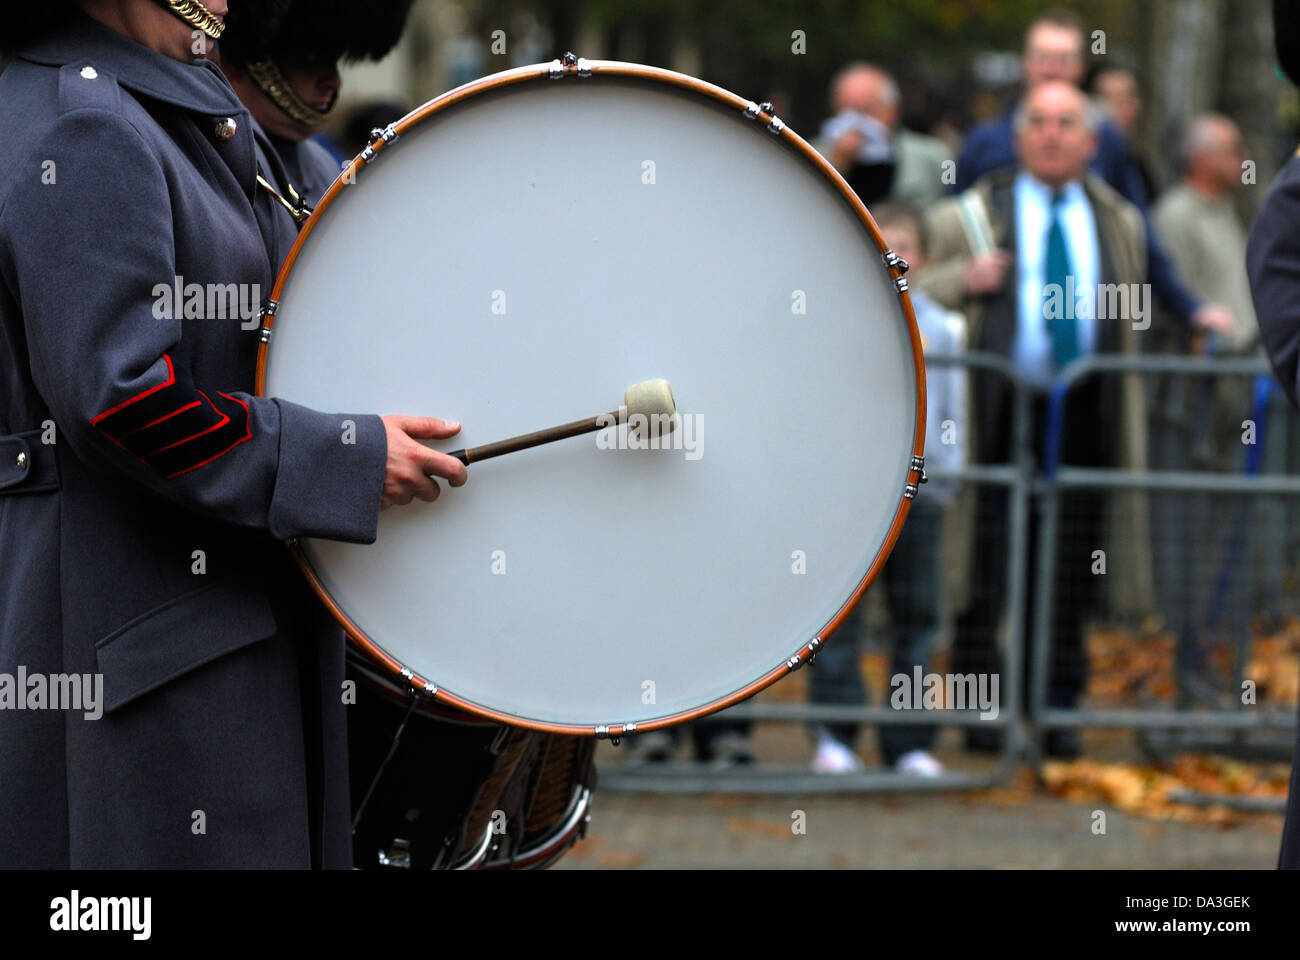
[170, 640]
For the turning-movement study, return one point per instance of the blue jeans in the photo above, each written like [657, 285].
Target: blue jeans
[913, 583]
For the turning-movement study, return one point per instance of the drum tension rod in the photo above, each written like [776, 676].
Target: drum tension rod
[774, 124]
[387, 134]
[417, 693]
[268, 313]
[568, 65]
[894, 260]
[898, 263]
[910, 489]
[625, 730]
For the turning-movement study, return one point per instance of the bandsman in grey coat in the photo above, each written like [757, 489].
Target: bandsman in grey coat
[144, 491]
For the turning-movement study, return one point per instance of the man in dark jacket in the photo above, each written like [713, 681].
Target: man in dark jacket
[144, 491]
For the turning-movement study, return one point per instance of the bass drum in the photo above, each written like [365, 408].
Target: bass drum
[515, 254]
[458, 792]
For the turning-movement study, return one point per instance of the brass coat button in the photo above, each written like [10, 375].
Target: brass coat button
[89, 72]
[22, 460]
[226, 128]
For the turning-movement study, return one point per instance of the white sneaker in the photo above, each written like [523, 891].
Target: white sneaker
[834, 757]
[919, 763]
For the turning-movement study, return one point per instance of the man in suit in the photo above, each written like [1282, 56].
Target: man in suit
[145, 492]
[1049, 226]
[1054, 52]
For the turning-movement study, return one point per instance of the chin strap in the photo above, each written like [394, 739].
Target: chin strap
[197, 15]
[271, 82]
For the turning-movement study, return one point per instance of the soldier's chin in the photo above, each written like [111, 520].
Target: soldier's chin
[310, 130]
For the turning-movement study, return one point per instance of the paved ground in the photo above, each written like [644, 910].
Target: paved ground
[1015, 827]
[630, 831]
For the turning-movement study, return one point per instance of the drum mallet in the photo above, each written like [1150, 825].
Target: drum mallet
[650, 400]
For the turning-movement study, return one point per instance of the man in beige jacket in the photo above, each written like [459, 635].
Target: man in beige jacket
[1049, 265]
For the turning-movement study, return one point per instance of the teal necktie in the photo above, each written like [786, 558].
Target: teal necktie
[1056, 270]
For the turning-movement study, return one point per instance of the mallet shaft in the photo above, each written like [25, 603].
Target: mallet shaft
[537, 438]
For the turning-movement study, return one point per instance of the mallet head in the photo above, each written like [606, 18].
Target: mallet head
[651, 403]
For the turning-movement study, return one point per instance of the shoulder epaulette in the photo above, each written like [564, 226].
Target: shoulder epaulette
[83, 86]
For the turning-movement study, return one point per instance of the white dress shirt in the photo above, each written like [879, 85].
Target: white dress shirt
[1032, 350]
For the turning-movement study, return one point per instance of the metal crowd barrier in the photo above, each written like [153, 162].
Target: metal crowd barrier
[1021, 731]
[1058, 481]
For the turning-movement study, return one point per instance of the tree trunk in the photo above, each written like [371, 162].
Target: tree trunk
[1250, 92]
[1184, 47]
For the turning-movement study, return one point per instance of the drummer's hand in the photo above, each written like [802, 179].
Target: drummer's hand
[412, 465]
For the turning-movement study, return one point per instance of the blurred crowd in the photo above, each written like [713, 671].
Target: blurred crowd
[1044, 240]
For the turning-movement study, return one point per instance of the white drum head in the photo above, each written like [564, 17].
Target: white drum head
[519, 258]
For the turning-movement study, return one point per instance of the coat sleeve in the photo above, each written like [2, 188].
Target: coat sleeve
[948, 257]
[1165, 281]
[1121, 172]
[1273, 262]
[82, 257]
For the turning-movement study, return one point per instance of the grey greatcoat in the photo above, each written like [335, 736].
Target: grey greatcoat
[1273, 263]
[145, 543]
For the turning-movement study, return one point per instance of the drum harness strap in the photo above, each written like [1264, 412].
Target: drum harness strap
[298, 208]
[392, 751]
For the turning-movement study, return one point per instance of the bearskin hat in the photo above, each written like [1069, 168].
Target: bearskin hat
[25, 23]
[1286, 37]
[289, 31]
